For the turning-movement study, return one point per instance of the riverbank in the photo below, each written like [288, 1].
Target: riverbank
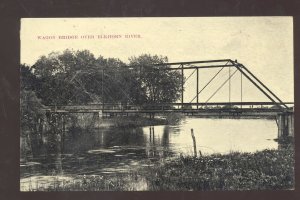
[264, 170]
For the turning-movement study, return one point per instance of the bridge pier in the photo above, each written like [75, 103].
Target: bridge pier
[285, 123]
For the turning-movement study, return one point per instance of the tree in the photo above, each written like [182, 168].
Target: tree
[76, 77]
[31, 110]
[61, 77]
[115, 85]
[32, 117]
[28, 80]
[157, 84]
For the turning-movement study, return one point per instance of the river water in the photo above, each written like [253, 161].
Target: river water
[110, 150]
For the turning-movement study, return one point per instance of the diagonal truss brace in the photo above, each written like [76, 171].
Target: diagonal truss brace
[240, 67]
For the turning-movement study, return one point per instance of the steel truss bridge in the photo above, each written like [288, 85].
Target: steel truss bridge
[282, 111]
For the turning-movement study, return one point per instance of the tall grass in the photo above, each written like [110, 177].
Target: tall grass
[268, 169]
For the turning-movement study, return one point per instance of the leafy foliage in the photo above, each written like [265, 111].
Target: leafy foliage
[157, 84]
[77, 77]
[31, 111]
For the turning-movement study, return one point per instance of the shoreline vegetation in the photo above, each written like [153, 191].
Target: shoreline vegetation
[139, 120]
[262, 170]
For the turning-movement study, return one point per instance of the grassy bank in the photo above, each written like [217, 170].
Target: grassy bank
[268, 169]
[264, 170]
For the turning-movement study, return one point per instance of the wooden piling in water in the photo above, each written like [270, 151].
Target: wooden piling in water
[194, 142]
[153, 135]
[153, 131]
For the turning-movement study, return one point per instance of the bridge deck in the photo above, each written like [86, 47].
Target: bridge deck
[198, 112]
[255, 109]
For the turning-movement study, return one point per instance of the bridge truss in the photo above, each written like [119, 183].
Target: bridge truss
[225, 63]
[195, 104]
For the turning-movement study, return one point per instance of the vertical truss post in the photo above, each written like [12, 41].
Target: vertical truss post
[197, 88]
[102, 90]
[182, 79]
[241, 90]
[229, 85]
[140, 82]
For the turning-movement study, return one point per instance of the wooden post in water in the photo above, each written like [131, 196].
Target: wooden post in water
[153, 130]
[194, 143]
[153, 134]
[150, 135]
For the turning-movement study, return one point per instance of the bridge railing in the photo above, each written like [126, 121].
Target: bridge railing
[171, 106]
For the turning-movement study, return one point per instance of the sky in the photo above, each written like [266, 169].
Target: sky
[263, 44]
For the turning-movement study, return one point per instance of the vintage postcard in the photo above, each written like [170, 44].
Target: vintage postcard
[157, 104]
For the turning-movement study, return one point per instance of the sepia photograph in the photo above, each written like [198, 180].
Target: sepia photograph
[157, 104]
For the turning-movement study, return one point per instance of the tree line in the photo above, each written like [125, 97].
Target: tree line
[77, 77]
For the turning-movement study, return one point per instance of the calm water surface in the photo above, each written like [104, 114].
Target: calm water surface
[112, 150]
